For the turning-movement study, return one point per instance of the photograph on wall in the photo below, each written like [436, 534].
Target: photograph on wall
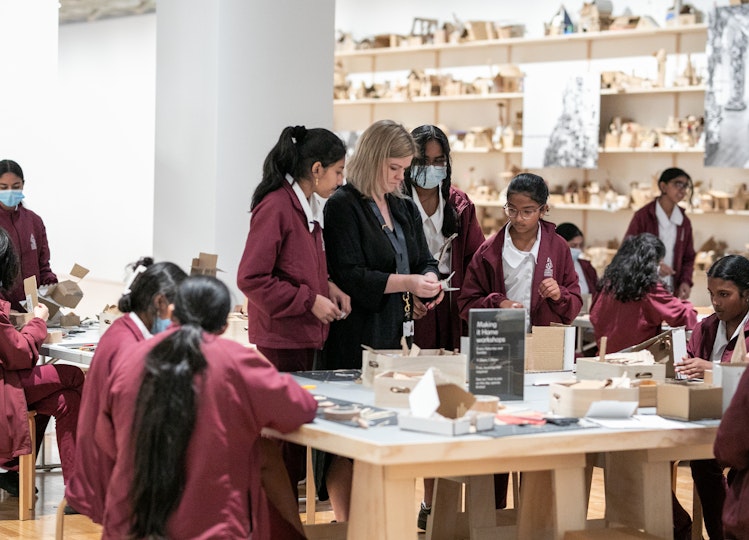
[560, 128]
[726, 112]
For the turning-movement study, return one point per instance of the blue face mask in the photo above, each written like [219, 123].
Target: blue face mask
[576, 252]
[11, 197]
[428, 177]
[159, 325]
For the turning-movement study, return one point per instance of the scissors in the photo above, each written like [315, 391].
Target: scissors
[445, 284]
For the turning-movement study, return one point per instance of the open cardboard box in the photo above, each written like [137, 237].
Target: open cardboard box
[392, 388]
[452, 366]
[574, 398]
[205, 265]
[63, 294]
[443, 409]
[689, 401]
[108, 315]
[594, 369]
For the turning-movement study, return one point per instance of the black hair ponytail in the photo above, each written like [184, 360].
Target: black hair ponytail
[167, 405]
[156, 278]
[297, 149]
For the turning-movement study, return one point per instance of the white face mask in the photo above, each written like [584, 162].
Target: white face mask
[576, 252]
[428, 177]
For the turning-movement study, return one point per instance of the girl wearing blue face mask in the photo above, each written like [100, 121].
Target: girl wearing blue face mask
[587, 275]
[26, 230]
[453, 235]
[147, 308]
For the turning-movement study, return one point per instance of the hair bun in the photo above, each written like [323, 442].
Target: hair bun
[299, 133]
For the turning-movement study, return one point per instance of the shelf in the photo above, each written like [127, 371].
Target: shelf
[650, 151]
[650, 91]
[513, 150]
[430, 99]
[520, 42]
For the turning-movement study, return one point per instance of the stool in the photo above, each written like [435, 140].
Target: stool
[27, 475]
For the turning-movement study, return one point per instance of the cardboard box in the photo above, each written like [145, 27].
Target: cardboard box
[689, 401]
[592, 369]
[662, 348]
[19, 319]
[107, 316]
[392, 388]
[204, 265]
[574, 398]
[67, 293]
[550, 348]
[53, 336]
[648, 392]
[452, 366]
[71, 319]
[451, 410]
[618, 533]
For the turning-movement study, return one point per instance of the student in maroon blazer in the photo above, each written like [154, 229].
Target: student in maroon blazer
[586, 274]
[714, 341]
[453, 235]
[27, 232]
[633, 303]
[49, 389]
[283, 270]
[526, 264]
[665, 219]
[147, 311]
[732, 450]
[182, 424]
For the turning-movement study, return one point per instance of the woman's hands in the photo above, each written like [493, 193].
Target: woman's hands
[693, 368]
[340, 299]
[41, 311]
[325, 310]
[549, 288]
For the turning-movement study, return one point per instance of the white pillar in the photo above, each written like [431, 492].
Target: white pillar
[28, 56]
[230, 75]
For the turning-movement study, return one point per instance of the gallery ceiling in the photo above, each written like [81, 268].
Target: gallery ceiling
[94, 10]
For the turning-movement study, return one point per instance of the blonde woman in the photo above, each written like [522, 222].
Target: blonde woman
[377, 254]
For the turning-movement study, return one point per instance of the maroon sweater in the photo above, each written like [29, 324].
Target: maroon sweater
[29, 237]
[645, 220]
[282, 271]
[484, 285]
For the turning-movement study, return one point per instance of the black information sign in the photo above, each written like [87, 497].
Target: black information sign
[497, 352]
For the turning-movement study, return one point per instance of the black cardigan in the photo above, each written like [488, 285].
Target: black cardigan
[360, 260]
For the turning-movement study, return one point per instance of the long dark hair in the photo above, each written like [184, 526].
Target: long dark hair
[9, 265]
[633, 272]
[297, 149]
[167, 404]
[157, 278]
[733, 268]
[422, 135]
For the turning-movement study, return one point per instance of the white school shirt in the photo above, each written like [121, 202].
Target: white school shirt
[432, 226]
[312, 207]
[667, 229]
[518, 268]
[720, 343]
[142, 327]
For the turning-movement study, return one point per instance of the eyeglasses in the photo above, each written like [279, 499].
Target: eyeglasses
[679, 184]
[525, 213]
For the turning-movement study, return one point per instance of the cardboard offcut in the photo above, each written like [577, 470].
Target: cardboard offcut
[727, 376]
[689, 401]
[550, 348]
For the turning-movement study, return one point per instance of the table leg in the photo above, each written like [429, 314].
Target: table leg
[382, 508]
[552, 500]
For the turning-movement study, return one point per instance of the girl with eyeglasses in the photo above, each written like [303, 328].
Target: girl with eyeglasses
[526, 264]
[665, 219]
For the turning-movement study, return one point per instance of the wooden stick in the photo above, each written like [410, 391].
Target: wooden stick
[602, 349]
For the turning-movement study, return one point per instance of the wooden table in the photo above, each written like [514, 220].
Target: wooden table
[387, 462]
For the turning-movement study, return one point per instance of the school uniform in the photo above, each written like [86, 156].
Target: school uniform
[707, 473]
[485, 287]
[240, 393]
[360, 260]
[29, 236]
[49, 389]
[88, 485]
[281, 272]
[628, 323]
[645, 220]
[732, 450]
[589, 275]
[442, 326]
